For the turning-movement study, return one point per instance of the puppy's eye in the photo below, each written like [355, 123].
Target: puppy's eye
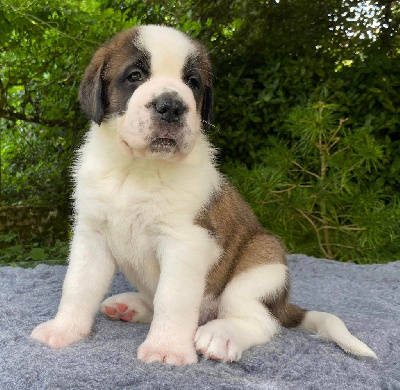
[135, 76]
[193, 83]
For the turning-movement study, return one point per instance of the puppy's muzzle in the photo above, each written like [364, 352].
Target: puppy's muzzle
[169, 107]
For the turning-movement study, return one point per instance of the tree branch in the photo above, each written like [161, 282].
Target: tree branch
[13, 116]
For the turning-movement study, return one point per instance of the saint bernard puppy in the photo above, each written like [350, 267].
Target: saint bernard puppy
[150, 201]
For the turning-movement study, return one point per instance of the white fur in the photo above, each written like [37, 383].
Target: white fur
[168, 54]
[332, 328]
[135, 127]
[88, 278]
[138, 214]
[243, 321]
[135, 210]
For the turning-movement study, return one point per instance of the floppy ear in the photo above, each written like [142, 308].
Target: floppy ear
[91, 90]
[207, 107]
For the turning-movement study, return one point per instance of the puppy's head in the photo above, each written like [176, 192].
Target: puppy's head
[154, 83]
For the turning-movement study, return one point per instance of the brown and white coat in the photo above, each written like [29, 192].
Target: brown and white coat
[150, 201]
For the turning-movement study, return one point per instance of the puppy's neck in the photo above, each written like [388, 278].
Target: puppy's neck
[107, 157]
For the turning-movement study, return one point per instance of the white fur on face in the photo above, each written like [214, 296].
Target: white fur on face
[168, 48]
[139, 126]
[136, 128]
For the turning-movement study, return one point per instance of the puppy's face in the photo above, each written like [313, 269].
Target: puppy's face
[154, 83]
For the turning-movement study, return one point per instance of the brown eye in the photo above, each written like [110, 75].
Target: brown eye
[193, 83]
[135, 76]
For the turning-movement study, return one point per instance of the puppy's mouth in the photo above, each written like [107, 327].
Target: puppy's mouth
[163, 145]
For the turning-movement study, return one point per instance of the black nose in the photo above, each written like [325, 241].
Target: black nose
[169, 107]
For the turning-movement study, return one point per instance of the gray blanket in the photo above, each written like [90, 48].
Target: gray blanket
[366, 297]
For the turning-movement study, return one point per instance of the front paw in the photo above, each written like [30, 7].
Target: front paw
[58, 334]
[162, 349]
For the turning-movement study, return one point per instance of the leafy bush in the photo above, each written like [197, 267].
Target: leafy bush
[270, 60]
[14, 254]
[315, 190]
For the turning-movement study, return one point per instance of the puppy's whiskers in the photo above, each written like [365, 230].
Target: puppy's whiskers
[209, 124]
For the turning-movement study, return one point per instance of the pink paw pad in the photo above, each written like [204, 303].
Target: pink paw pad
[127, 316]
[122, 307]
[110, 310]
[213, 357]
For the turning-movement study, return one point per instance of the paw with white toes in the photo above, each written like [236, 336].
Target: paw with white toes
[165, 350]
[128, 307]
[58, 334]
[217, 340]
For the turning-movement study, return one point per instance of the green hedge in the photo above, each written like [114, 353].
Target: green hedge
[282, 72]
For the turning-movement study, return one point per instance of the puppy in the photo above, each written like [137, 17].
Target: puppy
[150, 201]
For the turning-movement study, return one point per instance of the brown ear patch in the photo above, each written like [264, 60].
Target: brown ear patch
[96, 89]
[199, 60]
[207, 107]
[91, 90]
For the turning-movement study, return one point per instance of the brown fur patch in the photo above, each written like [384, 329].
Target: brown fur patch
[286, 313]
[244, 241]
[260, 250]
[246, 244]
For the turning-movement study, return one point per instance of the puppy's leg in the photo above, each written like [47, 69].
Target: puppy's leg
[184, 257]
[88, 277]
[129, 307]
[243, 320]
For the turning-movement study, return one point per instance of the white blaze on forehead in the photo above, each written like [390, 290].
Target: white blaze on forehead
[168, 49]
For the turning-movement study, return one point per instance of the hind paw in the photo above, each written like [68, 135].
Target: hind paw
[216, 341]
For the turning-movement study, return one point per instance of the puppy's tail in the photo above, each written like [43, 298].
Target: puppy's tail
[332, 328]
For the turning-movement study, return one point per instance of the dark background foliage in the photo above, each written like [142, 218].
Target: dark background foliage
[306, 112]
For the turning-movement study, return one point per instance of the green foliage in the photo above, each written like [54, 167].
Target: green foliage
[36, 164]
[29, 255]
[44, 49]
[271, 58]
[262, 77]
[367, 93]
[316, 191]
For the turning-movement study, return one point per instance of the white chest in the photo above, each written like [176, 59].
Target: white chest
[133, 202]
[131, 218]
